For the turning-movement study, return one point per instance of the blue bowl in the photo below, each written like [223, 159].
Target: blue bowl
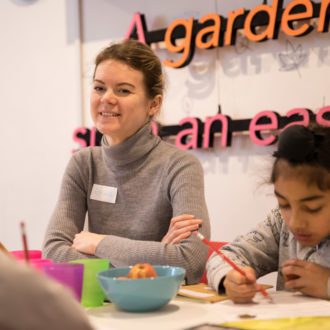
[141, 295]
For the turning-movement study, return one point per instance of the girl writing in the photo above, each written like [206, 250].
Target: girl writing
[295, 237]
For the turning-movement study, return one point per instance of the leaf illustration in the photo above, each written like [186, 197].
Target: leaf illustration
[292, 57]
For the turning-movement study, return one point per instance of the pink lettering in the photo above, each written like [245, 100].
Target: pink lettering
[92, 137]
[320, 116]
[137, 23]
[190, 134]
[77, 139]
[208, 139]
[255, 128]
[303, 112]
[154, 127]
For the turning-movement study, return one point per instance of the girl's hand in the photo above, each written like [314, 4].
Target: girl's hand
[306, 277]
[241, 289]
[180, 228]
[87, 242]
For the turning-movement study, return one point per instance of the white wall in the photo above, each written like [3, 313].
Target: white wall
[40, 107]
[42, 102]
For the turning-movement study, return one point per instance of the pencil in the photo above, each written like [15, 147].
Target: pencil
[24, 240]
[231, 263]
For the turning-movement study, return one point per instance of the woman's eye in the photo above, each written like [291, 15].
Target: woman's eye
[123, 91]
[98, 88]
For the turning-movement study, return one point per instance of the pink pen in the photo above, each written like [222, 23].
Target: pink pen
[231, 263]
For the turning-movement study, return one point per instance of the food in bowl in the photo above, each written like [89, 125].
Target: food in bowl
[141, 294]
[142, 271]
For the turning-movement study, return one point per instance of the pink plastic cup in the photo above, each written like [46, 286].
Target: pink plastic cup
[69, 275]
[33, 254]
[39, 264]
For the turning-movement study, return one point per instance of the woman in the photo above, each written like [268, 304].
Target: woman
[295, 238]
[143, 197]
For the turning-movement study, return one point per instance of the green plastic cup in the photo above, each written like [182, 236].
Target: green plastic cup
[92, 293]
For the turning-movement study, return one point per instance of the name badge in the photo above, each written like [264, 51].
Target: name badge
[104, 193]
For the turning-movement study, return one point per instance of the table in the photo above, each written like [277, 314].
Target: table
[182, 313]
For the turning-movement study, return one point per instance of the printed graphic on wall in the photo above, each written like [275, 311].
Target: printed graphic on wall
[251, 49]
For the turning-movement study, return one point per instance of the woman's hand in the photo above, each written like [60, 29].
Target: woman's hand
[87, 242]
[180, 228]
[241, 289]
[306, 277]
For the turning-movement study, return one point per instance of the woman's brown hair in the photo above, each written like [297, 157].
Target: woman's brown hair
[139, 57]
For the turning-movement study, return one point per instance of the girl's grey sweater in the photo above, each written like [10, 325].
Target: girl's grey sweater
[155, 181]
[265, 249]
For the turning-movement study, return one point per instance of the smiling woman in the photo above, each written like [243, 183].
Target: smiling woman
[124, 97]
[143, 197]
[119, 104]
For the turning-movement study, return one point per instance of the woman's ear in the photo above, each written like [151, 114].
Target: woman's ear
[155, 105]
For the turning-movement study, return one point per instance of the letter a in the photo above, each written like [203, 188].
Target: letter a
[137, 26]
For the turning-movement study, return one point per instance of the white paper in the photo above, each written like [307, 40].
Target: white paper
[104, 193]
[286, 304]
[196, 294]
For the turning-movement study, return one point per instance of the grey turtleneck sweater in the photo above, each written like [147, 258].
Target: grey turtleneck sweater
[155, 181]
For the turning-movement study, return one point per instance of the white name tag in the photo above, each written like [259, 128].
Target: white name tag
[104, 193]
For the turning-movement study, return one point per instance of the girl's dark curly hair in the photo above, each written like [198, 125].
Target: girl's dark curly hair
[306, 150]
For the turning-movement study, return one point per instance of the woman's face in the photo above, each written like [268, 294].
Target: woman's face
[119, 102]
[305, 209]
